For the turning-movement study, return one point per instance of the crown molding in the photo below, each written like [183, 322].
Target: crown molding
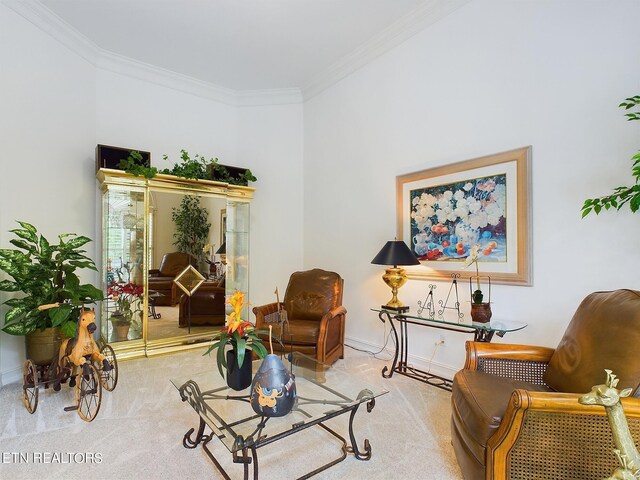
[50, 23]
[428, 13]
[44, 19]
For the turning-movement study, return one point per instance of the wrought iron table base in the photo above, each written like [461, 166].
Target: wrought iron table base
[248, 455]
[401, 366]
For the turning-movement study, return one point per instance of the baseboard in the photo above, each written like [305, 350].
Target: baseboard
[10, 376]
[441, 369]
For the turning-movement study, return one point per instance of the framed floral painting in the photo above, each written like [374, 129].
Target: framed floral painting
[444, 211]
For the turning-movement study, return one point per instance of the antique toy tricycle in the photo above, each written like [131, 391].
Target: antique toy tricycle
[99, 369]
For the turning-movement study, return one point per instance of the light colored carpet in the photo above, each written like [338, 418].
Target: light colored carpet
[167, 325]
[139, 429]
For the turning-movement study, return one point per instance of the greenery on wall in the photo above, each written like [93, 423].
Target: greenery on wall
[192, 227]
[626, 194]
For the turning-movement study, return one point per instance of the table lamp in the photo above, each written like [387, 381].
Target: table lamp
[222, 251]
[395, 252]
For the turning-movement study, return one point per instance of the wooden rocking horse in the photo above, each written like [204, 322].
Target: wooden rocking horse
[82, 347]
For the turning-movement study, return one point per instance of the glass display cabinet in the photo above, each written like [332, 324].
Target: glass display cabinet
[152, 230]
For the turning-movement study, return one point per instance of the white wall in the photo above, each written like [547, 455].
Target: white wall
[270, 139]
[493, 76]
[47, 133]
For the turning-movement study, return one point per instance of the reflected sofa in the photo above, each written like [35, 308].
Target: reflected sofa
[207, 305]
[161, 279]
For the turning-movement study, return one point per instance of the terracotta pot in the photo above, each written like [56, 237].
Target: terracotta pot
[121, 325]
[481, 312]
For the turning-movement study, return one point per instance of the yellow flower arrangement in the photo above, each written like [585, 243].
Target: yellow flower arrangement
[241, 335]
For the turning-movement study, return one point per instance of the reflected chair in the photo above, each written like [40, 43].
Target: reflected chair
[316, 317]
[206, 305]
[161, 279]
[515, 411]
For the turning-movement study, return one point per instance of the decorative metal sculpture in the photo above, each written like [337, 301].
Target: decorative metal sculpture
[626, 452]
[428, 303]
[456, 305]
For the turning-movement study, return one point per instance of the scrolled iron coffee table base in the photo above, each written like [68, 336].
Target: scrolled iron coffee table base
[247, 455]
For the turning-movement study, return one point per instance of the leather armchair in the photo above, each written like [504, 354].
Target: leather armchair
[515, 411]
[161, 279]
[313, 302]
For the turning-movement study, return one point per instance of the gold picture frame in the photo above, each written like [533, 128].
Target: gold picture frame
[443, 211]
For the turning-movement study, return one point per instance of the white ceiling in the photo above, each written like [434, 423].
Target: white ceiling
[237, 44]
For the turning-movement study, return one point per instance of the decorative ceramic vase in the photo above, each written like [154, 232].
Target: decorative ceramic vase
[480, 312]
[273, 391]
[238, 378]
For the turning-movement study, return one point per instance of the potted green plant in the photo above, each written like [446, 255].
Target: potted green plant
[242, 337]
[45, 273]
[480, 310]
[626, 194]
[192, 228]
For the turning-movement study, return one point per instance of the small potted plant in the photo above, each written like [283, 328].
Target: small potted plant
[242, 337]
[480, 310]
[128, 301]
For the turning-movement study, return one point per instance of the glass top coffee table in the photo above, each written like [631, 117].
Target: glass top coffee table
[322, 393]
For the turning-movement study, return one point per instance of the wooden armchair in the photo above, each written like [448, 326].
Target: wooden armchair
[316, 317]
[515, 410]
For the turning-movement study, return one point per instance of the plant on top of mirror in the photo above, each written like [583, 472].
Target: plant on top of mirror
[45, 274]
[192, 227]
[199, 168]
[134, 164]
[194, 168]
[625, 194]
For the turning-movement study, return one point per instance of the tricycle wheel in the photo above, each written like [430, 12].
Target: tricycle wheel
[109, 378]
[88, 392]
[30, 386]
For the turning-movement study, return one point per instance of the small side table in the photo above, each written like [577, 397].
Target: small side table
[482, 332]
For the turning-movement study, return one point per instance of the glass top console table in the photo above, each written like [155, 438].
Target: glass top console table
[322, 393]
[482, 332]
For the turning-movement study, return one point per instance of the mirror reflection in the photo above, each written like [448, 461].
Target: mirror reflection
[185, 230]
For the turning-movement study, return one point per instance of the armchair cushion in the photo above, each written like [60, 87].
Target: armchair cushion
[303, 332]
[602, 334]
[479, 401]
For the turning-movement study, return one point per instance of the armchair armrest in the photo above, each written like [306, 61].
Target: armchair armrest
[331, 334]
[520, 362]
[264, 310]
[554, 433]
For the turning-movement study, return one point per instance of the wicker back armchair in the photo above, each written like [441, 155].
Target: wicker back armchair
[515, 410]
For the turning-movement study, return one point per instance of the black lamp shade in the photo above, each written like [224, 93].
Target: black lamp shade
[395, 252]
[222, 250]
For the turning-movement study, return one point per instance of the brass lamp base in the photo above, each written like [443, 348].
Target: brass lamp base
[395, 277]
